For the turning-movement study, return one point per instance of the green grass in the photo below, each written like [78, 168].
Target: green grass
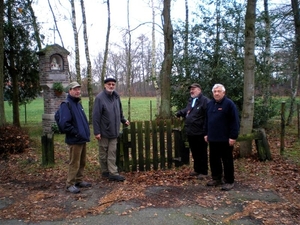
[32, 113]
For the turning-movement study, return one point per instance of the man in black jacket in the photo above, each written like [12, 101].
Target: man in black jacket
[195, 117]
[107, 118]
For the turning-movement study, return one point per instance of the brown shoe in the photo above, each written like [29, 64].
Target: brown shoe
[194, 173]
[214, 183]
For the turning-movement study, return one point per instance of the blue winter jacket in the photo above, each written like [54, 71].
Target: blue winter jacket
[74, 122]
[222, 120]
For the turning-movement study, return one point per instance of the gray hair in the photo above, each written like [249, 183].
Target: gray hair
[218, 85]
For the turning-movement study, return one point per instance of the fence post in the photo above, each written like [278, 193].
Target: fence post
[47, 149]
[282, 127]
[298, 119]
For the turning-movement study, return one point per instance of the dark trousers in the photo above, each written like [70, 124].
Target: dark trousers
[220, 157]
[199, 152]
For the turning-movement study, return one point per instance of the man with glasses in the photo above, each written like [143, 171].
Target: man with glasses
[107, 118]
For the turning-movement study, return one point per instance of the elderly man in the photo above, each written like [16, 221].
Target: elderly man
[75, 125]
[107, 118]
[222, 129]
[195, 117]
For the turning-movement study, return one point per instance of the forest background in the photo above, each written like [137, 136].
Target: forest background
[251, 47]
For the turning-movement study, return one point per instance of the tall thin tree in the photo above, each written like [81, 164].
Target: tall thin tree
[249, 85]
[165, 74]
[88, 61]
[75, 33]
[2, 112]
[296, 14]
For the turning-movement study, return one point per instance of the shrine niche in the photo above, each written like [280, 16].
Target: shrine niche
[56, 62]
[54, 71]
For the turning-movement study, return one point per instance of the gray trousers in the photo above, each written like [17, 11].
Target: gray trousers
[107, 155]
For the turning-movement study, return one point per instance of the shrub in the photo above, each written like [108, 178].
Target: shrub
[13, 140]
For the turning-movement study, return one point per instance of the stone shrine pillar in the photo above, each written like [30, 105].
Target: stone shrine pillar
[54, 67]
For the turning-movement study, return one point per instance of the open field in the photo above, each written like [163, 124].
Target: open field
[140, 109]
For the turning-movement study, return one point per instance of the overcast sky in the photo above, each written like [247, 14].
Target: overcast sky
[96, 13]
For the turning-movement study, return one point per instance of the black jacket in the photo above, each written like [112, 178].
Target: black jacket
[195, 118]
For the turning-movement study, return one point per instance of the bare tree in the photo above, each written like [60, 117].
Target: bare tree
[55, 23]
[88, 61]
[2, 112]
[249, 86]
[75, 33]
[155, 77]
[103, 71]
[35, 25]
[165, 107]
[128, 51]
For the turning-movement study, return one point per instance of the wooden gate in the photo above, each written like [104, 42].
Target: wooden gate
[147, 145]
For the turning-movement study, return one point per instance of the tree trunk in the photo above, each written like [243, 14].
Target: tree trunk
[35, 25]
[55, 23]
[186, 42]
[128, 62]
[2, 111]
[103, 71]
[155, 77]
[75, 33]
[88, 61]
[249, 86]
[295, 7]
[165, 108]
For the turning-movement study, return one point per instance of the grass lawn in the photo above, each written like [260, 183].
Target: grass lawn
[32, 113]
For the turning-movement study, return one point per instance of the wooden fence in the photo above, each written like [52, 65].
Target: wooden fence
[162, 144]
[151, 145]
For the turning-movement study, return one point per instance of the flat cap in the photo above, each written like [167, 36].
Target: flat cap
[110, 79]
[74, 84]
[194, 85]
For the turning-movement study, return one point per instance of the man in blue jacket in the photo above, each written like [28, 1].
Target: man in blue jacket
[222, 129]
[75, 125]
[107, 119]
[195, 117]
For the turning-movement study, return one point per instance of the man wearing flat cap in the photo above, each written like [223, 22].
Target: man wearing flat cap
[107, 118]
[75, 125]
[195, 117]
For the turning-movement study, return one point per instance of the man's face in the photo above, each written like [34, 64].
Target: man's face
[218, 94]
[195, 92]
[110, 86]
[75, 92]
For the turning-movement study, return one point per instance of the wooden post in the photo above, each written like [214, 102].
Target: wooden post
[298, 119]
[282, 127]
[47, 149]
[147, 145]
[140, 145]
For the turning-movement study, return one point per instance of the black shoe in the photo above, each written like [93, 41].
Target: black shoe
[105, 174]
[116, 177]
[83, 184]
[194, 173]
[214, 183]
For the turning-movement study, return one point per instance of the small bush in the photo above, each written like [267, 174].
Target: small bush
[13, 140]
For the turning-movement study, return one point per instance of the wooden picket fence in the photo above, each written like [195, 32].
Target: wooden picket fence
[146, 145]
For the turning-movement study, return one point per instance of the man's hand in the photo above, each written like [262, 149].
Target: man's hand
[98, 137]
[231, 142]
